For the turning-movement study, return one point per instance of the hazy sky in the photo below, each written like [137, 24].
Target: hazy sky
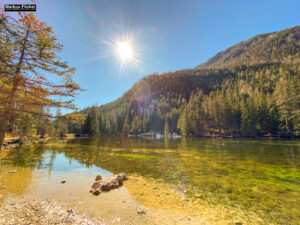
[168, 35]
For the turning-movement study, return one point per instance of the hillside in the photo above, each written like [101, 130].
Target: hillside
[251, 89]
[277, 47]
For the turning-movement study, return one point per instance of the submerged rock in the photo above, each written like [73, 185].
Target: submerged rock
[63, 181]
[109, 184]
[141, 211]
[197, 195]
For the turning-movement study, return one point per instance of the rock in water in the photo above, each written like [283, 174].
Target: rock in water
[197, 195]
[96, 185]
[98, 177]
[141, 211]
[120, 177]
[109, 184]
[63, 181]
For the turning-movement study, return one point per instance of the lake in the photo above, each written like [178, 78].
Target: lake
[175, 181]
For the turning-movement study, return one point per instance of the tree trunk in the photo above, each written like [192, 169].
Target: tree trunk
[3, 125]
[17, 78]
[7, 113]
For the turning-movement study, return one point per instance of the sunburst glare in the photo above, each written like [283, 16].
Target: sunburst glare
[119, 44]
[125, 51]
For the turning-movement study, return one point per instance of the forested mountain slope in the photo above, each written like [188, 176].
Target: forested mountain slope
[251, 89]
[277, 47]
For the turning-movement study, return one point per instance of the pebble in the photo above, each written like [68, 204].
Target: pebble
[197, 196]
[70, 211]
[63, 181]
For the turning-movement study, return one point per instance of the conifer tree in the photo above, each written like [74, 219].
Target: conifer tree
[32, 58]
[166, 130]
[183, 123]
[125, 127]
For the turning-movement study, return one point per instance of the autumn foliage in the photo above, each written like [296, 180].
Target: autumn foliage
[28, 62]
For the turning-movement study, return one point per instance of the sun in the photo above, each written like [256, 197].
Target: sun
[124, 50]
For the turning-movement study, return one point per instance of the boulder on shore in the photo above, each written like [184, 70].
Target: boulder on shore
[109, 184]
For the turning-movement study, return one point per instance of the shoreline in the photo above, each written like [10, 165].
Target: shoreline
[9, 145]
[30, 211]
[135, 208]
[14, 144]
[177, 136]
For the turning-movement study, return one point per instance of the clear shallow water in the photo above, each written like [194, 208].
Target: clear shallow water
[259, 177]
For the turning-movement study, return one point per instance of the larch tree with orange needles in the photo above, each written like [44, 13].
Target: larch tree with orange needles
[28, 61]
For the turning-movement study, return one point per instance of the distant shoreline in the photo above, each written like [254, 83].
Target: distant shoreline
[205, 136]
[15, 144]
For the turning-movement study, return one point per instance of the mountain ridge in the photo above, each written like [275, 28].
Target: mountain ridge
[287, 43]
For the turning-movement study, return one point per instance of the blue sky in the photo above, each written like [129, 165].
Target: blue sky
[167, 34]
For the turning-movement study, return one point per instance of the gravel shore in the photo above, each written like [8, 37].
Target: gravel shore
[23, 212]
